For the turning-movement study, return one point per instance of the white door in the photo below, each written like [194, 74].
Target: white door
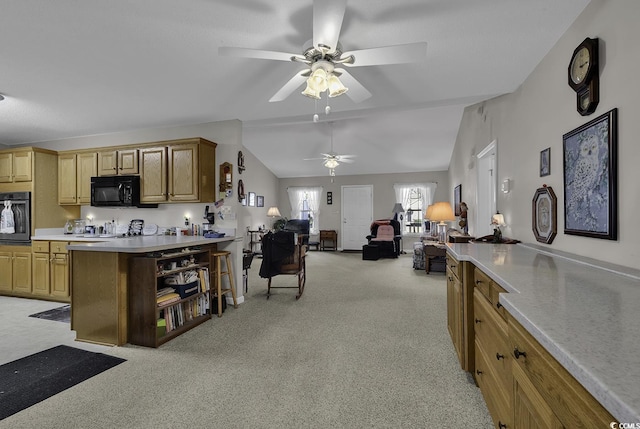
[487, 184]
[357, 215]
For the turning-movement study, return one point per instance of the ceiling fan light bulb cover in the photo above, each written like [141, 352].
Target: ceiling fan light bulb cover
[318, 80]
[310, 92]
[336, 87]
[331, 163]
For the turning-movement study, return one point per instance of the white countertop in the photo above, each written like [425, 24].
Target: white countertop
[584, 312]
[139, 244]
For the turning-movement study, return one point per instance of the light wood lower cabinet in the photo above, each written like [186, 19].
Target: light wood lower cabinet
[51, 270]
[15, 269]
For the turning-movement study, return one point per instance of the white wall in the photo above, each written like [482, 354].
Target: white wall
[543, 109]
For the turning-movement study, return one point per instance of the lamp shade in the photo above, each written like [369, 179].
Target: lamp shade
[311, 92]
[441, 212]
[429, 212]
[273, 212]
[397, 208]
[498, 219]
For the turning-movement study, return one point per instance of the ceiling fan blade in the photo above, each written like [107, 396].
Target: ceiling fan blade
[346, 161]
[356, 92]
[396, 54]
[312, 159]
[256, 53]
[327, 22]
[297, 80]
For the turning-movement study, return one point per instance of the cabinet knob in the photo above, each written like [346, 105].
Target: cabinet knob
[517, 353]
[498, 305]
[450, 278]
[114, 168]
[478, 320]
[499, 356]
[501, 425]
[478, 372]
[478, 282]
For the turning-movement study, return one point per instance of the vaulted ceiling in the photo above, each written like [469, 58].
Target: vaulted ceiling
[75, 68]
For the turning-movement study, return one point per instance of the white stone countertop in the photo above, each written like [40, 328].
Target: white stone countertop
[138, 244]
[583, 311]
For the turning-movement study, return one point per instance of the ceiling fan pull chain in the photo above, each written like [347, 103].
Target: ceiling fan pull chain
[327, 109]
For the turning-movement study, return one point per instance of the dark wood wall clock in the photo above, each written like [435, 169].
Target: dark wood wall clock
[584, 76]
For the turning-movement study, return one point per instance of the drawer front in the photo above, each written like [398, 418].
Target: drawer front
[40, 246]
[495, 291]
[498, 403]
[482, 283]
[455, 266]
[569, 400]
[491, 334]
[59, 247]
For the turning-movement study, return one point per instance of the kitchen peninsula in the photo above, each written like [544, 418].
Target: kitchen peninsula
[569, 325]
[100, 283]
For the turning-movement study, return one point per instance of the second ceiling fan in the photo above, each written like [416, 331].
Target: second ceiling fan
[324, 60]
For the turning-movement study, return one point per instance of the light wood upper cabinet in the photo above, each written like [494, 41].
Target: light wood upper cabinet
[75, 171]
[153, 175]
[118, 162]
[183, 172]
[16, 166]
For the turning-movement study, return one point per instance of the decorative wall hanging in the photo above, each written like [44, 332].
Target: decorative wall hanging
[591, 178]
[544, 214]
[241, 195]
[260, 201]
[457, 191]
[545, 162]
[226, 179]
[329, 198]
[252, 199]
[241, 166]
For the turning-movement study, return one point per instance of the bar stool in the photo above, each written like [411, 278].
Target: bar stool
[218, 255]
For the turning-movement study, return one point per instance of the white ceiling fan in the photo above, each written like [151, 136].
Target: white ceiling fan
[325, 60]
[332, 159]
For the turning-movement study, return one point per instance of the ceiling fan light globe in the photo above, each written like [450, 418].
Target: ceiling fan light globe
[318, 80]
[336, 87]
[309, 91]
[331, 163]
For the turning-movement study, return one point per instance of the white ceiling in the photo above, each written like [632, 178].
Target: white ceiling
[75, 68]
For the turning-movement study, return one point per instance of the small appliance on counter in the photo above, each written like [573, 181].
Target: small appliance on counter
[79, 226]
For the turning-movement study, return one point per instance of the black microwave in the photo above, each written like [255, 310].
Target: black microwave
[116, 191]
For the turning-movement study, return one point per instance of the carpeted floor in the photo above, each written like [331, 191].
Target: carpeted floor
[365, 347]
[34, 378]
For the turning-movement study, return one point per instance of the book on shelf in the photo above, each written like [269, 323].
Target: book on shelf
[167, 299]
[203, 275]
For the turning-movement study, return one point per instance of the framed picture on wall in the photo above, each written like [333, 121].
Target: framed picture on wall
[260, 201]
[457, 191]
[590, 160]
[545, 162]
[544, 214]
[252, 199]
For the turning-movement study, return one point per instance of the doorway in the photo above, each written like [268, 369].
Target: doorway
[487, 188]
[357, 215]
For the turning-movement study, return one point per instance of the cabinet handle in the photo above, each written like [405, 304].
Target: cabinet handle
[478, 320]
[498, 305]
[501, 425]
[114, 168]
[478, 372]
[499, 356]
[517, 353]
[453, 266]
[450, 278]
[478, 282]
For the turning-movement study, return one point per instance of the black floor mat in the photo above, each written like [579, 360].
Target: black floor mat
[60, 314]
[29, 380]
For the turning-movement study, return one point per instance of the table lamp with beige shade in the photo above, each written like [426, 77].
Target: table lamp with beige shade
[441, 212]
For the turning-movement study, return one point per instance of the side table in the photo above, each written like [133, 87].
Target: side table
[435, 257]
[331, 236]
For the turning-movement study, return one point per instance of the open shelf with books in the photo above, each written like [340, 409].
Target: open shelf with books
[169, 293]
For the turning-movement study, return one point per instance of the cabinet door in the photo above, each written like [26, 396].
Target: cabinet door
[183, 172]
[153, 175]
[41, 275]
[60, 275]
[22, 165]
[108, 163]
[6, 271]
[22, 271]
[6, 167]
[67, 179]
[87, 168]
[530, 411]
[454, 313]
[128, 161]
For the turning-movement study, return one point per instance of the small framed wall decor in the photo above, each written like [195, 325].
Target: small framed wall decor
[457, 191]
[545, 162]
[252, 199]
[329, 197]
[590, 162]
[544, 214]
[260, 201]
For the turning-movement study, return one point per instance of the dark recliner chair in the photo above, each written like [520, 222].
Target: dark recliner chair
[300, 227]
[385, 234]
